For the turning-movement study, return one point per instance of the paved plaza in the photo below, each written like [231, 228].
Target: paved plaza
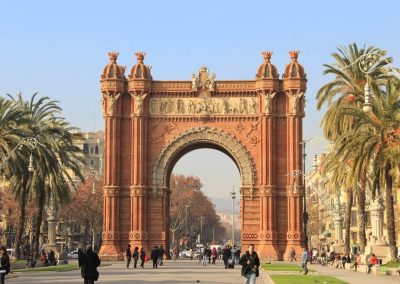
[185, 272]
[180, 272]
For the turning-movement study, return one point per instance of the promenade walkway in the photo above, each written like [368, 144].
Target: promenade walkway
[177, 272]
[186, 272]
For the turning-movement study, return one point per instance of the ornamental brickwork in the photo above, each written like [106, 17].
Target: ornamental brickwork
[150, 125]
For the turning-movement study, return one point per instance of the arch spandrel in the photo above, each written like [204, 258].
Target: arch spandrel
[204, 135]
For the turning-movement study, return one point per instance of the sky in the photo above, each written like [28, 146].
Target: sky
[59, 49]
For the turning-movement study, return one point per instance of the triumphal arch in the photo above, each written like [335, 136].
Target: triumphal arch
[151, 124]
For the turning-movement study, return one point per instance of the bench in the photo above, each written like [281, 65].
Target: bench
[376, 270]
[362, 268]
[349, 266]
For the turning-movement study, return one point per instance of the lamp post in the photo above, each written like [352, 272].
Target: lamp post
[305, 213]
[233, 195]
[31, 143]
[92, 173]
[186, 221]
[201, 228]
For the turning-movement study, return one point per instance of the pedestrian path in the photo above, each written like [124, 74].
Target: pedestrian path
[178, 272]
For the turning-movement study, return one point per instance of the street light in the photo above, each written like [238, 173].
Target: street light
[201, 228]
[186, 216]
[31, 143]
[233, 195]
[92, 173]
[305, 213]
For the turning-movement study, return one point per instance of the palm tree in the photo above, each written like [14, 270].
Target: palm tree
[374, 144]
[347, 89]
[55, 154]
[14, 165]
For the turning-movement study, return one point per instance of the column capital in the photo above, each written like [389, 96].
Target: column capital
[138, 190]
[110, 191]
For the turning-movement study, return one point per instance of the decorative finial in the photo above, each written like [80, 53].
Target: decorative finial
[267, 56]
[140, 56]
[113, 56]
[293, 55]
[122, 68]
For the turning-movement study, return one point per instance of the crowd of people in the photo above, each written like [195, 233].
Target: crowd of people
[332, 259]
[157, 255]
[207, 255]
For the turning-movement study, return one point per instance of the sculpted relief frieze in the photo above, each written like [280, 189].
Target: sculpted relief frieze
[201, 106]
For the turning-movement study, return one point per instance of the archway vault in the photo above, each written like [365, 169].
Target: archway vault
[204, 134]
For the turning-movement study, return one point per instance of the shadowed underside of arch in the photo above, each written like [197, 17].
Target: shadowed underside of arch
[203, 135]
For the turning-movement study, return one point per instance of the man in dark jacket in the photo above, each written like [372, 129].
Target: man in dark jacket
[128, 255]
[89, 262]
[250, 264]
[226, 255]
[154, 256]
[161, 253]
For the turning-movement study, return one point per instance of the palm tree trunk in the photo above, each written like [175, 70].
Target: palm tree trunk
[390, 222]
[361, 216]
[39, 219]
[348, 220]
[21, 222]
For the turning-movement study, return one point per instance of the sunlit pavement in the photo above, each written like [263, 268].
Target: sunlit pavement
[181, 271]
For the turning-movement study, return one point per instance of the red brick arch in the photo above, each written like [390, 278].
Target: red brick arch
[203, 135]
[151, 124]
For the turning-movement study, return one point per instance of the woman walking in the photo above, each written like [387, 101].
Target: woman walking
[250, 264]
[5, 264]
[213, 255]
[142, 257]
[135, 257]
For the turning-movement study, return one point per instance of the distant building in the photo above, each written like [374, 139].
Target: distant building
[92, 146]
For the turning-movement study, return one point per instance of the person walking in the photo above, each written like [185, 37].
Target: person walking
[250, 264]
[226, 255]
[89, 262]
[142, 257]
[154, 256]
[51, 258]
[214, 255]
[304, 260]
[205, 256]
[5, 264]
[135, 257]
[292, 254]
[161, 253]
[128, 255]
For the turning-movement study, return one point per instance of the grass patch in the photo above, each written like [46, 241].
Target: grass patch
[391, 264]
[305, 279]
[16, 261]
[283, 267]
[58, 268]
